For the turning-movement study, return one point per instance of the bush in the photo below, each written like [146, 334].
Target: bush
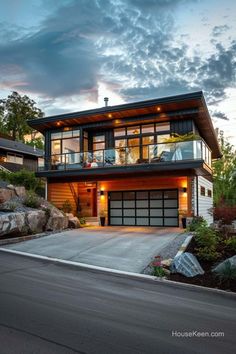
[158, 270]
[206, 237]
[82, 220]
[207, 253]
[231, 244]
[227, 273]
[22, 178]
[225, 213]
[66, 206]
[32, 200]
[207, 241]
[196, 222]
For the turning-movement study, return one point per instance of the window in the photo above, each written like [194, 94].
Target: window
[14, 158]
[119, 132]
[209, 193]
[65, 146]
[148, 128]
[203, 191]
[133, 130]
[160, 127]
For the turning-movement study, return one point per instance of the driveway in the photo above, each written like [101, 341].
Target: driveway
[124, 248]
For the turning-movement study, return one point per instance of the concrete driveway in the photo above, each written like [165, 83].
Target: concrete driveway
[124, 248]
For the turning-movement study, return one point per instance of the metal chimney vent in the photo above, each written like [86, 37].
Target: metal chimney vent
[106, 99]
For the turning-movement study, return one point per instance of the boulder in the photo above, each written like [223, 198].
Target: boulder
[220, 267]
[57, 220]
[166, 262]
[186, 264]
[36, 220]
[20, 191]
[13, 224]
[73, 223]
[10, 186]
[6, 194]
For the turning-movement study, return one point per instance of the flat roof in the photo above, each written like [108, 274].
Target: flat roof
[165, 108]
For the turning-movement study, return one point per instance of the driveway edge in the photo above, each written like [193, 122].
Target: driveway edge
[120, 273]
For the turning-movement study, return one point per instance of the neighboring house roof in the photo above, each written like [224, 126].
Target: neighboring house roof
[170, 108]
[10, 166]
[17, 146]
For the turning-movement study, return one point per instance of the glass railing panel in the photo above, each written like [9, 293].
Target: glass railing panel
[161, 152]
[73, 160]
[120, 156]
[184, 151]
[109, 157]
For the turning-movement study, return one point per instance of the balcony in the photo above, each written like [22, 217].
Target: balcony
[128, 156]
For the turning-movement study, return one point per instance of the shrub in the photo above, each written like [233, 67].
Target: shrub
[22, 178]
[196, 222]
[31, 200]
[207, 253]
[226, 273]
[82, 220]
[207, 241]
[66, 206]
[231, 244]
[225, 213]
[206, 237]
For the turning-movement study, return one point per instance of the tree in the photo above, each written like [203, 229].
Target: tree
[15, 110]
[37, 142]
[224, 174]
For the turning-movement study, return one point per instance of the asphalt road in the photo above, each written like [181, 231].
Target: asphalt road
[48, 308]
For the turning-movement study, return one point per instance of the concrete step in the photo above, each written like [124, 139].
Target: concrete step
[93, 221]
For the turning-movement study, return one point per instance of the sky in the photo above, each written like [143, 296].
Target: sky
[68, 55]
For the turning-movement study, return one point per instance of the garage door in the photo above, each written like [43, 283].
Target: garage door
[144, 208]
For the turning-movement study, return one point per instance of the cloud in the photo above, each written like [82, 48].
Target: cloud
[219, 30]
[219, 115]
[129, 44]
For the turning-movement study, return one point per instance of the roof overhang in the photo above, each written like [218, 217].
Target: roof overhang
[191, 105]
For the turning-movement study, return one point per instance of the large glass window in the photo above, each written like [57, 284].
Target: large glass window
[65, 146]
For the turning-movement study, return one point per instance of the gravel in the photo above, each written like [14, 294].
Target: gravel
[169, 251]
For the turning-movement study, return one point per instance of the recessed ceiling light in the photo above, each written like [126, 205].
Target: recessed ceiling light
[58, 123]
[109, 115]
[158, 109]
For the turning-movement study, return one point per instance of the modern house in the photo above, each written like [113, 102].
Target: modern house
[121, 160]
[15, 155]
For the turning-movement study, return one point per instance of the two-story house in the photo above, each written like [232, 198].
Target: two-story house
[121, 159]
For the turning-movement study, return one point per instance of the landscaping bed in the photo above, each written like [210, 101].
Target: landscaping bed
[208, 279]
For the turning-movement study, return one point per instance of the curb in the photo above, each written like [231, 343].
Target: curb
[120, 273]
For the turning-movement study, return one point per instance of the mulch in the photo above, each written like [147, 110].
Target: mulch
[208, 279]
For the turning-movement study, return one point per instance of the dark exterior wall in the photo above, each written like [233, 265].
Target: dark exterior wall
[181, 126]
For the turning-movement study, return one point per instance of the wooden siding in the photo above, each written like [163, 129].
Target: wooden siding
[181, 126]
[146, 184]
[59, 192]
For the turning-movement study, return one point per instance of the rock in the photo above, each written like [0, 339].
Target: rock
[74, 223]
[36, 220]
[20, 191]
[70, 215]
[10, 186]
[166, 262]
[57, 220]
[13, 224]
[221, 266]
[8, 206]
[6, 194]
[186, 264]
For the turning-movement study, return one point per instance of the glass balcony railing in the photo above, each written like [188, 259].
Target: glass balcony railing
[133, 155]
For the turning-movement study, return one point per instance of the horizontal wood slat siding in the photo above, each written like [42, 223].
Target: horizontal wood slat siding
[205, 202]
[145, 184]
[59, 192]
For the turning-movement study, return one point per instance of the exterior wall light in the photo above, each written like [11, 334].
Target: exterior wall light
[101, 193]
[185, 190]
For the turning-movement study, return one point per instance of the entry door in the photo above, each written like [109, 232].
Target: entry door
[144, 208]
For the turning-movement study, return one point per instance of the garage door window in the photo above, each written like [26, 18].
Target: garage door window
[144, 208]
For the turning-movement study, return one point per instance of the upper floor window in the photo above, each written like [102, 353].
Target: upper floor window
[65, 142]
[203, 191]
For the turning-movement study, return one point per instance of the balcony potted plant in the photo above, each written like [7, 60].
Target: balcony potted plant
[102, 217]
[183, 216]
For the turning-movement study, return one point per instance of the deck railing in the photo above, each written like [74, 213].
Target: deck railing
[132, 155]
